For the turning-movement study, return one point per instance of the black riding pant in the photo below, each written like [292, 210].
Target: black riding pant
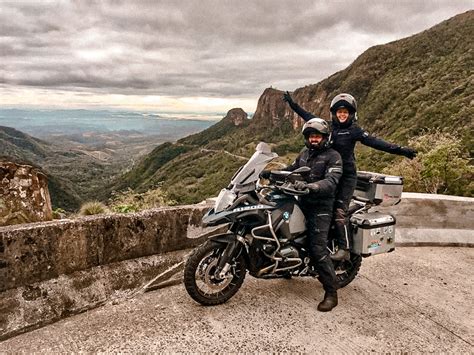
[318, 221]
[345, 190]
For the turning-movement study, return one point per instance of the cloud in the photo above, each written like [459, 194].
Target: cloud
[216, 49]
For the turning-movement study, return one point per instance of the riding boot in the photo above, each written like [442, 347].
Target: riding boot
[329, 302]
[341, 231]
[341, 254]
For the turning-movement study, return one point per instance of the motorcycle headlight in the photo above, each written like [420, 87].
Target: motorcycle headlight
[224, 200]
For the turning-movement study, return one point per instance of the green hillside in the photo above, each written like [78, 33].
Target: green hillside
[403, 87]
[407, 86]
[22, 148]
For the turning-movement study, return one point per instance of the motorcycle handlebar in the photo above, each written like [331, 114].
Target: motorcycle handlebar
[285, 188]
[288, 189]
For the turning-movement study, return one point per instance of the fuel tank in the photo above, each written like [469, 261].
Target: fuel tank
[288, 220]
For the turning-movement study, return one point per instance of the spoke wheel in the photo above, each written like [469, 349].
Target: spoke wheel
[347, 270]
[200, 278]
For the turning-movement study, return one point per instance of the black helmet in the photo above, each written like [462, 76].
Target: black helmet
[316, 125]
[344, 101]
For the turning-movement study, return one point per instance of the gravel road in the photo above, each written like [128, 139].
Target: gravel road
[412, 300]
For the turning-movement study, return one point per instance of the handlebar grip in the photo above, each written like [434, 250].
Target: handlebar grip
[294, 192]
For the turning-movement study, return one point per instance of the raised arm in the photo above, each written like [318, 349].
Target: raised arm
[305, 115]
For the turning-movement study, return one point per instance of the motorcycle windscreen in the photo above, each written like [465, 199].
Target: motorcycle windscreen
[250, 171]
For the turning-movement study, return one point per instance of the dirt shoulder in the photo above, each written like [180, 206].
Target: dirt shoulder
[412, 300]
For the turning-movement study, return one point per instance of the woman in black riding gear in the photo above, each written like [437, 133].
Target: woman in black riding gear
[345, 134]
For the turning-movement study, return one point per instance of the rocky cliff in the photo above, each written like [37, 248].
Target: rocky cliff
[236, 116]
[24, 195]
[272, 110]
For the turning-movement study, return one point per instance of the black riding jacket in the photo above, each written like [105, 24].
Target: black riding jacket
[326, 170]
[345, 137]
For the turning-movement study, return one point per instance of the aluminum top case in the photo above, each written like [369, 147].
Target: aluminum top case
[379, 189]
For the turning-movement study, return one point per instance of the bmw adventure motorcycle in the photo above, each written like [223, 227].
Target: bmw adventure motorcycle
[266, 230]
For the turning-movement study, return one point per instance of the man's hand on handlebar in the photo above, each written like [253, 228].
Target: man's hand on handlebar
[265, 174]
[313, 187]
[300, 185]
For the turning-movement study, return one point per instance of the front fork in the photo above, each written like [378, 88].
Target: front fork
[231, 251]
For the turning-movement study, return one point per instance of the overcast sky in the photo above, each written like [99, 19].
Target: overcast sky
[190, 56]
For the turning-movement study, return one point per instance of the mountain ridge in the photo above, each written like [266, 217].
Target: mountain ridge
[403, 88]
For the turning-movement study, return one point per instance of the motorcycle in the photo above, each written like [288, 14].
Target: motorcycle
[266, 230]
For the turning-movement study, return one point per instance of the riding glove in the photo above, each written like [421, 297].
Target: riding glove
[313, 187]
[301, 185]
[408, 152]
[265, 174]
[287, 97]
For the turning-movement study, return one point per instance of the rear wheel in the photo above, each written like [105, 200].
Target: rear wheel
[200, 278]
[346, 270]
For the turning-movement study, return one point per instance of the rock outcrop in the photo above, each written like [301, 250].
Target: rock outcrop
[24, 194]
[273, 111]
[237, 116]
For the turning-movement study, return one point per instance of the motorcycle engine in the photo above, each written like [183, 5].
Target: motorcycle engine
[289, 252]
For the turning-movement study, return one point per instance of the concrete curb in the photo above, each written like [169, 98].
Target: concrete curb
[418, 237]
[433, 220]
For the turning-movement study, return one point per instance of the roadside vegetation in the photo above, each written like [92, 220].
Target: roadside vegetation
[93, 208]
[441, 167]
[131, 201]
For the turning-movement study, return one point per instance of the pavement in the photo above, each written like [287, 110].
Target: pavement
[416, 299]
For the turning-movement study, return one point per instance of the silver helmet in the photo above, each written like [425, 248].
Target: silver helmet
[316, 124]
[344, 101]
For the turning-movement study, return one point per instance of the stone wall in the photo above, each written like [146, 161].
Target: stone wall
[430, 219]
[41, 251]
[54, 269]
[24, 195]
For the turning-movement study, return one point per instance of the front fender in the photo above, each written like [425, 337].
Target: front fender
[229, 238]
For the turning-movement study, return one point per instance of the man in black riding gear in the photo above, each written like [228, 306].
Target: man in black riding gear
[345, 134]
[317, 205]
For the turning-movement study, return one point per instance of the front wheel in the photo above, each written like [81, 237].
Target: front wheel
[346, 270]
[200, 277]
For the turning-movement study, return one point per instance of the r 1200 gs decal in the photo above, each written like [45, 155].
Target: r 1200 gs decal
[249, 208]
